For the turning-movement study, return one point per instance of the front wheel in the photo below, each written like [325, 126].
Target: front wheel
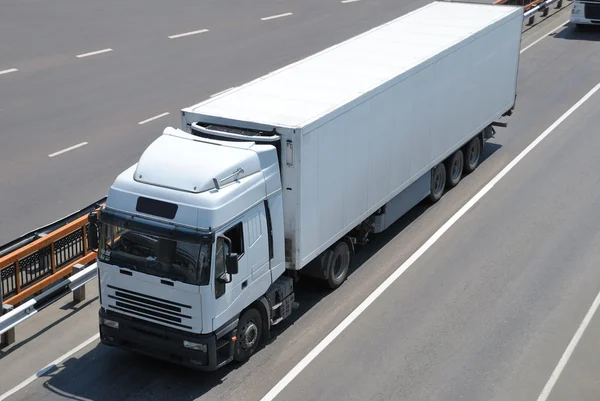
[249, 331]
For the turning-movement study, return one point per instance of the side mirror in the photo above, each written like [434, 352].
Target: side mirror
[92, 232]
[231, 263]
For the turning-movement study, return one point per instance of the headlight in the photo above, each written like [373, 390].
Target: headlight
[110, 323]
[194, 346]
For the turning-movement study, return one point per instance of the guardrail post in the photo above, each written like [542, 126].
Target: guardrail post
[559, 4]
[78, 294]
[531, 20]
[545, 12]
[7, 338]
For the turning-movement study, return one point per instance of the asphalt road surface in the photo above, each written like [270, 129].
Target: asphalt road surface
[486, 313]
[81, 76]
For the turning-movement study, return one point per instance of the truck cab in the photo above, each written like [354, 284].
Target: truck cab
[585, 12]
[188, 241]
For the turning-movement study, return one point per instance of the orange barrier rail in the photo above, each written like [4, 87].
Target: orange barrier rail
[527, 4]
[531, 8]
[33, 267]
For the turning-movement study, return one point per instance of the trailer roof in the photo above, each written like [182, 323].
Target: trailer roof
[305, 91]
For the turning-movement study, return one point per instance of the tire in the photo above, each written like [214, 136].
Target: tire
[472, 155]
[438, 182]
[249, 332]
[339, 264]
[454, 169]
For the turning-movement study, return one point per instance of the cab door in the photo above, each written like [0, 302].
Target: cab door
[248, 238]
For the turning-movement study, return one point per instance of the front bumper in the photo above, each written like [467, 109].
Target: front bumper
[165, 343]
[580, 20]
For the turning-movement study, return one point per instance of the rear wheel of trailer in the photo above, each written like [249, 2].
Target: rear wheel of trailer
[339, 264]
[472, 154]
[454, 168]
[438, 182]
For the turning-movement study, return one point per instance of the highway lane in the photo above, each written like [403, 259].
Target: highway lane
[579, 379]
[56, 100]
[100, 373]
[69, 27]
[487, 311]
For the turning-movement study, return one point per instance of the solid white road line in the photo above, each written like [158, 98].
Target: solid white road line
[68, 149]
[569, 351]
[48, 367]
[350, 1]
[414, 257]
[180, 35]
[275, 16]
[94, 53]
[546, 35]
[8, 71]
[153, 118]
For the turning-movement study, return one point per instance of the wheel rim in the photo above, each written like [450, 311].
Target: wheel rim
[457, 166]
[473, 153]
[249, 335]
[438, 182]
[338, 267]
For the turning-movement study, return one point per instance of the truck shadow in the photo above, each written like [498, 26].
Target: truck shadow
[583, 33]
[541, 20]
[106, 373]
[310, 291]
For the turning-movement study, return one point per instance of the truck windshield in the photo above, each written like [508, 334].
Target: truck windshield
[155, 255]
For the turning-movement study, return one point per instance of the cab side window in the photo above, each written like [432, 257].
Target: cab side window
[236, 235]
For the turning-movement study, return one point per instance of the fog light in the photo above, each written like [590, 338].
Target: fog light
[194, 346]
[110, 323]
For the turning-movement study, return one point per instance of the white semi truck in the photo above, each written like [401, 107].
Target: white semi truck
[201, 241]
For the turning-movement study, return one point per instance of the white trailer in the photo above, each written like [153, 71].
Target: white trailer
[201, 240]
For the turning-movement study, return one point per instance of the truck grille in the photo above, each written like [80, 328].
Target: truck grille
[592, 11]
[150, 308]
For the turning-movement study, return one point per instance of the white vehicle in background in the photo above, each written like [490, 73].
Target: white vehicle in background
[202, 240]
[585, 12]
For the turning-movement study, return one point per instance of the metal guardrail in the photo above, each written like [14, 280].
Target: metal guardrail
[543, 7]
[532, 7]
[37, 269]
[527, 4]
[29, 308]
[47, 256]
